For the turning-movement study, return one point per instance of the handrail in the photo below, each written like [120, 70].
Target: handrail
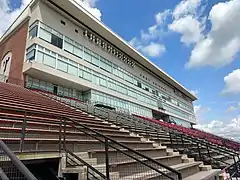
[189, 137]
[22, 168]
[3, 176]
[129, 149]
[120, 144]
[85, 163]
[204, 143]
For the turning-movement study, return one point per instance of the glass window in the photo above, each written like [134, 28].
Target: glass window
[72, 70]
[105, 65]
[40, 56]
[43, 34]
[112, 85]
[87, 55]
[31, 55]
[103, 82]
[63, 66]
[68, 47]
[95, 59]
[87, 74]
[35, 83]
[56, 41]
[43, 85]
[33, 32]
[49, 60]
[139, 84]
[78, 52]
[95, 79]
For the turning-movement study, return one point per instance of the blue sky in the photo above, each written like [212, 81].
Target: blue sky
[205, 34]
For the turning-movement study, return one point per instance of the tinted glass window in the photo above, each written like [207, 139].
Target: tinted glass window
[56, 41]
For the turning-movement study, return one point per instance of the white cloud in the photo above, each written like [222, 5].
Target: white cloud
[90, 6]
[232, 82]
[153, 49]
[194, 92]
[189, 27]
[149, 41]
[8, 15]
[222, 43]
[187, 21]
[230, 129]
[232, 108]
[200, 112]
[161, 17]
[186, 7]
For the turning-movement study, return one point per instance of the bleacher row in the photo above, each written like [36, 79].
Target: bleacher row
[213, 154]
[198, 134]
[20, 108]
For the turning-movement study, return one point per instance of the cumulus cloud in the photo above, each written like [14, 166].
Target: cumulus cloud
[200, 112]
[232, 82]
[154, 49]
[90, 6]
[221, 44]
[186, 7]
[189, 28]
[230, 129]
[8, 14]
[187, 21]
[149, 41]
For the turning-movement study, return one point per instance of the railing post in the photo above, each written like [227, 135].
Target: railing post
[199, 152]
[208, 152]
[107, 159]
[182, 141]
[235, 164]
[179, 176]
[170, 134]
[60, 135]
[23, 131]
[64, 134]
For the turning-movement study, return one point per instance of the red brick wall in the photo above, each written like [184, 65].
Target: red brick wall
[16, 43]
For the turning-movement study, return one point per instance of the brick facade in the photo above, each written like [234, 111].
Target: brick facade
[15, 43]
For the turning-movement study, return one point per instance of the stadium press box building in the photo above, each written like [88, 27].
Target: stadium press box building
[58, 47]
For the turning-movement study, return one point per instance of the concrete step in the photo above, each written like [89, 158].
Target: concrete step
[186, 168]
[150, 152]
[204, 175]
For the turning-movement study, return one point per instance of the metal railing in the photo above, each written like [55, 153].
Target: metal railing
[139, 125]
[114, 160]
[233, 170]
[117, 160]
[11, 167]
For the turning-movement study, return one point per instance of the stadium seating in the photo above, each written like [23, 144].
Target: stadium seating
[199, 134]
[20, 108]
[211, 151]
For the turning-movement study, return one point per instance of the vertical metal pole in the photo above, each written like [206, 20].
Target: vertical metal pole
[171, 139]
[23, 131]
[235, 164]
[158, 136]
[208, 152]
[199, 152]
[60, 136]
[182, 141]
[64, 134]
[107, 159]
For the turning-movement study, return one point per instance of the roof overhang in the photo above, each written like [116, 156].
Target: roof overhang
[83, 16]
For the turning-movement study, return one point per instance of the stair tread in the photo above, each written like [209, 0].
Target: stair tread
[203, 175]
[152, 173]
[136, 149]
